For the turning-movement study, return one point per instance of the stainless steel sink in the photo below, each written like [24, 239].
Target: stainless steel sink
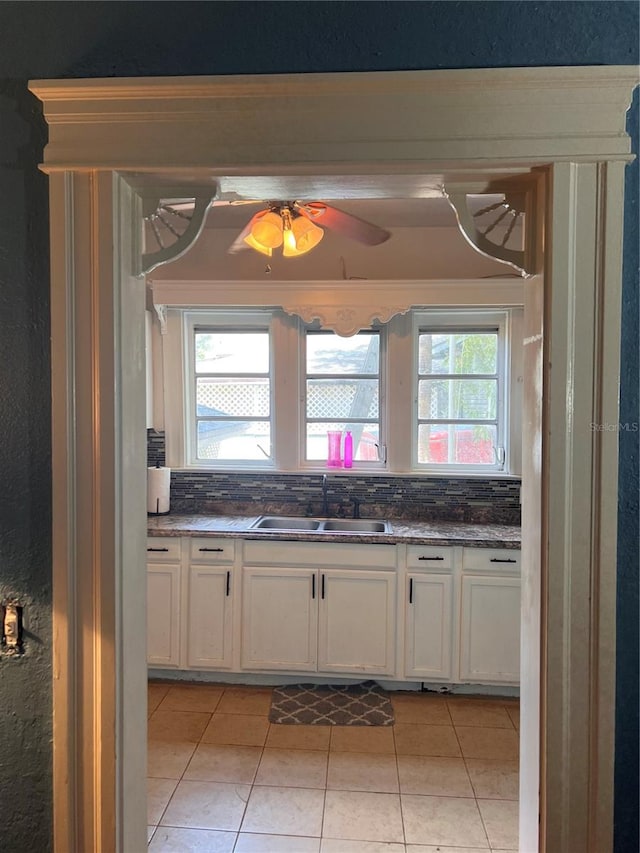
[356, 525]
[275, 522]
[320, 525]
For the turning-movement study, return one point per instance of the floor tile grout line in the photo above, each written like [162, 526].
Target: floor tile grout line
[328, 753]
[395, 749]
[475, 798]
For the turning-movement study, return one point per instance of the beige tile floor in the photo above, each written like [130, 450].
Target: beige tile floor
[222, 779]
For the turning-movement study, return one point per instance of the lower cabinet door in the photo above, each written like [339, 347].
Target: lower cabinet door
[356, 631]
[163, 615]
[279, 618]
[490, 636]
[210, 621]
[429, 625]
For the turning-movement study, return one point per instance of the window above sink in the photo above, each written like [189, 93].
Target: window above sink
[432, 391]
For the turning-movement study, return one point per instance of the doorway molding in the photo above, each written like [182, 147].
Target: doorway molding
[108, 139]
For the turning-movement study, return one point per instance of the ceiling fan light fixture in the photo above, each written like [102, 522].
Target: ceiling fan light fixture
[267, 230]
[292, 225]
[289, 248]
[253, 244]
[307, 234]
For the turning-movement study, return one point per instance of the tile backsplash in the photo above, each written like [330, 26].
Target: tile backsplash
[470, 499]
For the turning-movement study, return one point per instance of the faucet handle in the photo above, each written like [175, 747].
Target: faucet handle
[356, 506]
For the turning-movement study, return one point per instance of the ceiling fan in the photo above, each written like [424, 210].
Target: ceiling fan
[298, 227]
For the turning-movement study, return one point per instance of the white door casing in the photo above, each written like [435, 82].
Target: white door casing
[109, 136]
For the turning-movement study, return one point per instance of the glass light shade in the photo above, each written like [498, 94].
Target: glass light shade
[267, 231]
[250, 241]
[289, 248]
[307, 235]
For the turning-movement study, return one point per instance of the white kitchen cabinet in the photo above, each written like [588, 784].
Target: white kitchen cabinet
[210, 609]
[163, 601]
[279, 618]
[356, 631]
[328, 620]
[490, 635]
[209, 631]
[429, 626]
[163, 614]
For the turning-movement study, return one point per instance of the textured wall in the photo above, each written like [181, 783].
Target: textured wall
[103, 39]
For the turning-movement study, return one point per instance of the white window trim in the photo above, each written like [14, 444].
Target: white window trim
[315, 465]
[508, 419]
[398, 392]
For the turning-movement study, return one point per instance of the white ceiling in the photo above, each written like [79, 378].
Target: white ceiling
[387, 212]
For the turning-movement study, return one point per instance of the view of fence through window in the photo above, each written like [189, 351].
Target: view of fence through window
[232, 394]
[343, 392]
[458, 397]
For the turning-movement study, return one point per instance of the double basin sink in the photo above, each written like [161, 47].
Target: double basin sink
[320, 525]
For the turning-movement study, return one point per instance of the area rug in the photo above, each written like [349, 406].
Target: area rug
[365, 704]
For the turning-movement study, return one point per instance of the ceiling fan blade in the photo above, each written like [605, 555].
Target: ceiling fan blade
[351, 226]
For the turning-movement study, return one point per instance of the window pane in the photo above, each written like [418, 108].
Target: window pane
[330, 353]
[342, 398]
[456, 443]
[232, 352]
[234, 440]
[365, 439]
[459, 399]
[476, 352]
[249, 397]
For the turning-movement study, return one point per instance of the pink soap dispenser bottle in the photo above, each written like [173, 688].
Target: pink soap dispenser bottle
[348, 450]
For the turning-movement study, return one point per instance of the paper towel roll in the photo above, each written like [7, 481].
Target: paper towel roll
[158, 485]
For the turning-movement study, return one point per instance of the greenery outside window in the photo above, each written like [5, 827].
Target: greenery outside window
[460, 397]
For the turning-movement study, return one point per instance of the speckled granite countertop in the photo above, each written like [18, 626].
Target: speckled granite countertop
[411, 532]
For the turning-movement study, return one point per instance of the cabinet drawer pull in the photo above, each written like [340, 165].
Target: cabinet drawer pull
[497, 560]
[313, 586]
[410, 590]
[217, 550]
[228, 583]
[322, 588]
[431, 558]
[157, 549]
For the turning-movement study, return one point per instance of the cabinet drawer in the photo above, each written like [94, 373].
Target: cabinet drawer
[491, 560]
[318, 555]
[163, 549]
[205, 549]
[429, 557]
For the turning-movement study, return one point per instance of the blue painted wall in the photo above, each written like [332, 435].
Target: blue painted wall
[103, 39]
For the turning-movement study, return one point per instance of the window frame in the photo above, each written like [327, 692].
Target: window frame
[448, 322]
[372, 465]
[224, 321]
[398, 390]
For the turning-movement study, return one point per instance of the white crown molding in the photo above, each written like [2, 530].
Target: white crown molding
[500, 116]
